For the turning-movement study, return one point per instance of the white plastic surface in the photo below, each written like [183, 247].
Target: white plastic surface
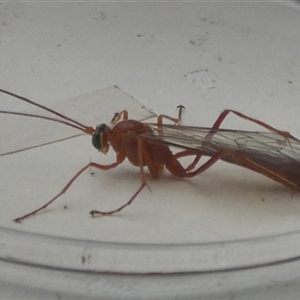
[227, 233]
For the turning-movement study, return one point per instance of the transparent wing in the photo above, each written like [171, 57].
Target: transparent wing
[209, 141]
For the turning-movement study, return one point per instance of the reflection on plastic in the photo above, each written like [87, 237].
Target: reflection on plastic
[23, 133]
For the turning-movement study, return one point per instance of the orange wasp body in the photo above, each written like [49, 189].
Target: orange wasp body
[274, 153]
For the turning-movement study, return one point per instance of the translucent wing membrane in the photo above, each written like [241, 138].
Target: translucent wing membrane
[210, 141]
[269, 150]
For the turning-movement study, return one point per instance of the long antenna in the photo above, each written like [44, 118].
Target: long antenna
[42, 117]
[80, 126]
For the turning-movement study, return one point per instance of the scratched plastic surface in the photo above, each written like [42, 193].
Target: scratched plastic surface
[224, 231]
[195, 225]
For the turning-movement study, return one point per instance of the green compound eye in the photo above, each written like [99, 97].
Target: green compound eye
[97, 136]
